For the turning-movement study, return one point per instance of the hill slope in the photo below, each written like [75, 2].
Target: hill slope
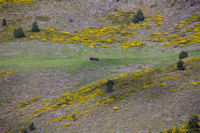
[151, 99]
[57, 87]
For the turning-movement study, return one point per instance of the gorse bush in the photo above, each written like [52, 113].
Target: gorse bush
[180, 65]
[4, 23]
[18, 33]
[183, 54]
[109, 85]
[138, 17]
[35, 27]
[193, 126]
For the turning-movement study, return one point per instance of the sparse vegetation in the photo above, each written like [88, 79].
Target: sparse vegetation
[18, 33]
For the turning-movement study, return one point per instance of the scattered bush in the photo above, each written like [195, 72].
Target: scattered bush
[35, 27]
[138, 17]
[193, 126]
[109, 84]
[18, 33]
[180, 65]
[4, 23]
[183, 54]
[32, 126]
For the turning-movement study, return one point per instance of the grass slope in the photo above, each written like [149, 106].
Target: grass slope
[35, 55]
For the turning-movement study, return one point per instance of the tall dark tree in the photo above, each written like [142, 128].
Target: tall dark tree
[4, 23]
[138, 16]
[35, 27]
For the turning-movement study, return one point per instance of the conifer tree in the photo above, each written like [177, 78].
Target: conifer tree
[109, 84]
[35, 27]
[138, 16]
[4, 23]
[18, 33]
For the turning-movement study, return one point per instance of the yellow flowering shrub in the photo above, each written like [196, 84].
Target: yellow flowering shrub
[27, 101]
[115, 108]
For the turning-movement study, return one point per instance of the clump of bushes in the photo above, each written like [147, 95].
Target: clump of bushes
[180, 65]
[4, 23]
[35, 27]
[109, 85]
[138, 17]
[183, 54]
[18, 33]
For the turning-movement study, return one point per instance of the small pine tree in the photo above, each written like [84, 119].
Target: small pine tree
[35, 27]
[193, 126]
[138, 16]
[32, 126]
[109, 84]
[18, 33]
[4, 23]
[74, 117]
[183, 54]
[180, 65]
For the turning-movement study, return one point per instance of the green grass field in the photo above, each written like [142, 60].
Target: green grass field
[41, 56]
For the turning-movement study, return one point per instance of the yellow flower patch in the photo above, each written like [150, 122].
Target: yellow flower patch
[116, 108]
[67, 124]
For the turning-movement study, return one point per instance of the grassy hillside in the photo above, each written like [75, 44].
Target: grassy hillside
[47, 77]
